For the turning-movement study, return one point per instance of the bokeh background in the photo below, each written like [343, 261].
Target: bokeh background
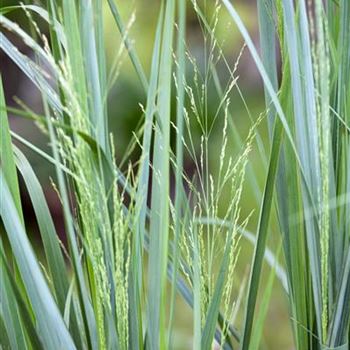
[125, 113]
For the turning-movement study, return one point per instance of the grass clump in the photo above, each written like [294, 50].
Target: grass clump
[135, 238]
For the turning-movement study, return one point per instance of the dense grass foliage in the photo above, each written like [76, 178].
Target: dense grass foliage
[142, 235]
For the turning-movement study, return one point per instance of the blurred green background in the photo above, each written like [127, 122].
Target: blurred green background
[125, 113]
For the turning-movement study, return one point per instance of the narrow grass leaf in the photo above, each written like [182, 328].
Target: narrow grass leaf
[31, 337]
[262, 233]
[7, 161]
[159, 221]
[52, 329]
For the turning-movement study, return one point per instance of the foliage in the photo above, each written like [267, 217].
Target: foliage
[133, 242]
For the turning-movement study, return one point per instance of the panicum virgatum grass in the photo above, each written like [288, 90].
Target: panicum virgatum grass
[135, 238]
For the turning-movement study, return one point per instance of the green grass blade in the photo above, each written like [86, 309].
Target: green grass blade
[75, 54]
[307, 159]
[92, 73]
[131, 51]
[89, 320]
[43, 14]
[268, 51]
[19, 308]
[286, 183]
[30, 70]
[9, 312]
[214, 307]
[197, 321]
[159, 220]
[52, 329]
[180, 79]
[5, 342]
[100, 48]
[54, 257]
[339, 329]
[261, 316]
[142, 192]
[47, 229]
[7, 161]
[267, 82]
[262, 232]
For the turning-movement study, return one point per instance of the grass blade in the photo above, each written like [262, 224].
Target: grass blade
[21, 309]
[50, 322]
[133, 56]
[7, 161]
[261, 235]
[9, 312]
[159, 221]
[54, 257]
[180, 79]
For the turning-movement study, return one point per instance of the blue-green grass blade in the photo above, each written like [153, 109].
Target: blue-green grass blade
[262, 233]
[20, 310]
[159, 219]
[53, 331]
